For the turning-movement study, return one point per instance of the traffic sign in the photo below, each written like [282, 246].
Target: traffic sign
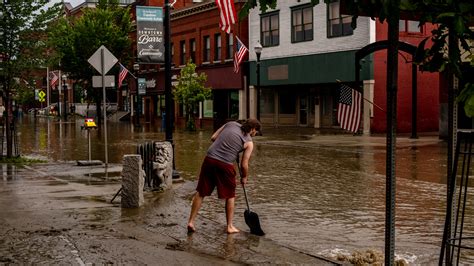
[41, 95]
[96, 60]
[141, 86]
[109, 81]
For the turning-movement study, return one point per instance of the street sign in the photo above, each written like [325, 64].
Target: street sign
[141, 86]
[109, 60]
[40, 95]
[109, 81]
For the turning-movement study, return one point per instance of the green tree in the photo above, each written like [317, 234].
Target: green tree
[190, 91]
[76, 39]
[23, 27]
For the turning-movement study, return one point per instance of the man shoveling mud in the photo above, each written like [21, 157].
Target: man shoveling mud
[217, 169]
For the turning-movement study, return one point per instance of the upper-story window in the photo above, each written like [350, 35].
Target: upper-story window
[409, 26]
[270, 29]
[302, 23]
[192, 48]
[182, 48]
[206, 52]
[217, 47]
[230, 46]
[338, 25]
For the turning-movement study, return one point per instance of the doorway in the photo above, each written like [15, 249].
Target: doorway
[303, 110]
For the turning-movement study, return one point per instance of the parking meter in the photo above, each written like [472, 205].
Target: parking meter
[89, 124]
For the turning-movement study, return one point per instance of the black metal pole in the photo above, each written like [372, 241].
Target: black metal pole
[137, 102]
[392, 87]
[168, 96]
[414, 101]
[64, 98]
[258, 86]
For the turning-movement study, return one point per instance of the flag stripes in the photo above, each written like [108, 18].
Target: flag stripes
[348, 109]
[239, 55]
[227, 14]
[122, 74]
[53, 79]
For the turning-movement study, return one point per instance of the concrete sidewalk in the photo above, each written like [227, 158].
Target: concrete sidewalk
[60, 213]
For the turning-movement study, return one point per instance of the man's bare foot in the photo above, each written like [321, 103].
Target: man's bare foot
[191, 228]
[232, 230]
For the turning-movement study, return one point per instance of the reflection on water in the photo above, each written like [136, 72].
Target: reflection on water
[313, 195]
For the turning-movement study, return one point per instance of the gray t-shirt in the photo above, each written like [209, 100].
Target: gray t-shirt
[229, 143]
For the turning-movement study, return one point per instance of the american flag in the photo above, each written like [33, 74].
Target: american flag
[239, 55]
[122, 74]
[227, 14]
[53, 79]
[348, 109]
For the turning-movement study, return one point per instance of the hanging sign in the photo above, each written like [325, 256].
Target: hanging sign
[150, 38]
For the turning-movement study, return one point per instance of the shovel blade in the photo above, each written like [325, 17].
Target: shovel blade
[251, 219]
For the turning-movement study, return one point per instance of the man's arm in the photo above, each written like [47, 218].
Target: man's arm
[216, 134]
[244, 163]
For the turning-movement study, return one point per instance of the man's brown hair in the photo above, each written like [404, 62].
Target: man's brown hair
[250, 123]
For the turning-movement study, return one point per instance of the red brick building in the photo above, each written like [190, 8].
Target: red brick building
[196, 36]
[428, 102]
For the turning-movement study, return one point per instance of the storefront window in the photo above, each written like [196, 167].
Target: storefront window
[207, 109]
[234, 105]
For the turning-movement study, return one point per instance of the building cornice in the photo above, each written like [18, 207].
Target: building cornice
[193, 10]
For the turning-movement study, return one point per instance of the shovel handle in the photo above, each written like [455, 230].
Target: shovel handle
[243, 186]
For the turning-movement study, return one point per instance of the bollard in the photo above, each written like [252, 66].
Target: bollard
[133, 181]
[163, 164]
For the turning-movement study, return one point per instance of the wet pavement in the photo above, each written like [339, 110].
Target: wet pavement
[60, 213]
[318, 194]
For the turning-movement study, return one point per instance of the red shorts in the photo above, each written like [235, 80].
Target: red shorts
[215, 173]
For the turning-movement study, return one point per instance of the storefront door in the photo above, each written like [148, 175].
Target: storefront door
[303, 110]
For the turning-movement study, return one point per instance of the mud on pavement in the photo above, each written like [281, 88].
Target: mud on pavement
[60, 213]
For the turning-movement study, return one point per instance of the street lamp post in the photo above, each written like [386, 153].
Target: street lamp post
[64, 97]
[169, 105]
[136, 68]
[258, 51]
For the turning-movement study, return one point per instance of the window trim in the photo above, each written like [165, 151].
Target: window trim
[229, 46]
[192, 50]
[217, 47]
[182, 52]
[406, 31]
[340, 18]
[205, 49]
[302, 8]
[269, 15]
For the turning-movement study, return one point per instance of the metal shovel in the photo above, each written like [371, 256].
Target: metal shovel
[251, 218]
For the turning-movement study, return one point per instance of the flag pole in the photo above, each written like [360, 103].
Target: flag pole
[128, 71]
[367, 100]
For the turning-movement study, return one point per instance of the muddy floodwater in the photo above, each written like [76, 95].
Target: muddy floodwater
[321, 193]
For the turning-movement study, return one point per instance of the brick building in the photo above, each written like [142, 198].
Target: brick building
[195, 35]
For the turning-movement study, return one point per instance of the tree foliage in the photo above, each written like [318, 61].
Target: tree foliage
[23, 26]
[23, 46]
[75, 39]
[190, 91]
[453, 18]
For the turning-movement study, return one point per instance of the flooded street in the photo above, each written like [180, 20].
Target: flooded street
[323, 194]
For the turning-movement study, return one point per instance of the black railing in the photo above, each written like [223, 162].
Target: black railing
[457, 245]
[3, 138]
[147, 152]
